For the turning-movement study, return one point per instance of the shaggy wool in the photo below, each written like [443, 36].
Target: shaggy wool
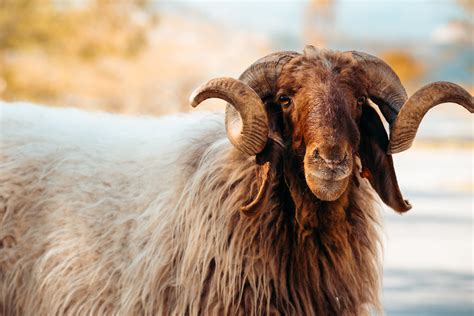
[103, 214]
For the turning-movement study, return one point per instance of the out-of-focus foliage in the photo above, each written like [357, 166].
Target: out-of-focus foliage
[467, 4]
[319, 16]
[101, 28]
[42, 43]
[122, 56]
[405, 65]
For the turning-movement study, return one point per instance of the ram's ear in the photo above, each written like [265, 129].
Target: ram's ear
[377, 165]
[263, 179]
[268, 162]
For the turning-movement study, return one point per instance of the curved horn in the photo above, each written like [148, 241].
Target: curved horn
[248, 128]
[245, 110]
[385, 88]
[262, 75]
[403, 131]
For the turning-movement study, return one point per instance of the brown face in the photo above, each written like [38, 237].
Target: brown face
[326, 118]
[321, 100]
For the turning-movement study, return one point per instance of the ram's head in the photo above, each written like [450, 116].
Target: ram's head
[316, 106]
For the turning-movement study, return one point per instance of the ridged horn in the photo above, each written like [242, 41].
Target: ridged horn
[385, 88]
[263, 74]
[242, 115]
[261, 77]
[248, 128]
[403, 131]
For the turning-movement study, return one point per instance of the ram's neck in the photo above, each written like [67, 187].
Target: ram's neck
[295, 256]
[333, 247]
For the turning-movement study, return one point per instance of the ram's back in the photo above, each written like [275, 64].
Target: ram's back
[88, 157]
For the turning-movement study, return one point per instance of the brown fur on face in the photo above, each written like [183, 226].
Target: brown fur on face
[321, 120]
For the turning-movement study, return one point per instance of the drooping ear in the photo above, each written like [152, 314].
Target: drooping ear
[268, 161]
[377, 165]
[263, 180]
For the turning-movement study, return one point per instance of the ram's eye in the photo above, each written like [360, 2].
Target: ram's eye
[361, 100]
[284, 100]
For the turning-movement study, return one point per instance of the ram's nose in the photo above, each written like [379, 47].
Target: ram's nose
[332, 155]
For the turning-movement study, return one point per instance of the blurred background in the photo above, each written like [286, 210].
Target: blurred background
[146, 57]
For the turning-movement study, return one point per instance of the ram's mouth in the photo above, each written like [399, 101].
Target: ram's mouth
[328, 183]
[326, 190]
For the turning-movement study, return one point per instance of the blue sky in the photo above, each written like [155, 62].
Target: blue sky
[398, 19]
[370, 19]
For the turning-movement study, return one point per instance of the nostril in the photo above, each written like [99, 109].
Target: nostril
[335, 161]
[316, 154]
[331, 156]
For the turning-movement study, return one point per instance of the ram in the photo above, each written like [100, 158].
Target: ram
[104, 214]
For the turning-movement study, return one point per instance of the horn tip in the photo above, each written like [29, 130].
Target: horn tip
[399, 142]
[193, 98]
[397, 148]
